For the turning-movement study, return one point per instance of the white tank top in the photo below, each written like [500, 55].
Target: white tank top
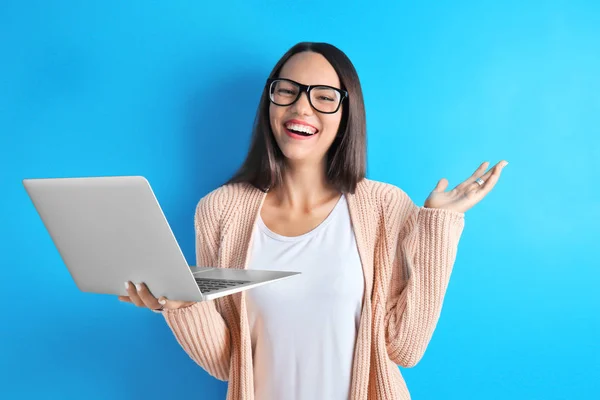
[303, 329]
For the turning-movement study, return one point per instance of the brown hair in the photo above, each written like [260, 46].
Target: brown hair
[347, 156]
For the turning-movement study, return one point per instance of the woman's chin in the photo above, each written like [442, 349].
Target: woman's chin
[295, 156]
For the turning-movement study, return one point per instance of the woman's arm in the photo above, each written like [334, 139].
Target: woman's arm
[427, 245]
[200, 329]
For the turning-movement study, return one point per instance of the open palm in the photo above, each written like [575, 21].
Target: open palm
[468, 193]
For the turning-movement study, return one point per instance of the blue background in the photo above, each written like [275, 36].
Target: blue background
[169, 90]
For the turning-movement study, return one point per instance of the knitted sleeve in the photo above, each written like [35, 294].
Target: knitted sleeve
[426, 244]
[200, 329]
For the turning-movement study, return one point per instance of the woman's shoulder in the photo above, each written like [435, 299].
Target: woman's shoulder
[224, 196]
[226, 192]
[381, 193]
[389, 202]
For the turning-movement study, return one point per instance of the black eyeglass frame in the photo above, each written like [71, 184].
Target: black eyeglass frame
[306, 89]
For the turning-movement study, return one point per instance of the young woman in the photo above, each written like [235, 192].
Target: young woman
[375, 266]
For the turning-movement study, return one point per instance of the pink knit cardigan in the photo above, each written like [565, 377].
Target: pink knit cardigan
[407, 254]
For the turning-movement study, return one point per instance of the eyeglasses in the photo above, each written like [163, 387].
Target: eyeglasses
[324, 99]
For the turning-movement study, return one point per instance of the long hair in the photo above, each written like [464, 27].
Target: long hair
[347, 156]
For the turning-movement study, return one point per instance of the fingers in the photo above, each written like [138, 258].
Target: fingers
[141, 296]
[133, 295]
[470, 183]
[491, 177]
[478, 173]
[497, 167]
[167, 304]
[441, 185]
[174, 305]
[149, 300]
[126, 299]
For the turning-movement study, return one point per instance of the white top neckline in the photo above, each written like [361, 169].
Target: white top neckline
[265, 229]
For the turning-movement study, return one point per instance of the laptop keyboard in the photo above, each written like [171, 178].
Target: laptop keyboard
[212, 285]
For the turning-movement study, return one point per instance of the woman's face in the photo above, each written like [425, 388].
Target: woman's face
[307, 68]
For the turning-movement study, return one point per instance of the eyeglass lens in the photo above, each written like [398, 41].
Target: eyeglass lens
[323, 99]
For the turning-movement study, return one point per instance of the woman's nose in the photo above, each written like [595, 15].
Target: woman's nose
[302, 105]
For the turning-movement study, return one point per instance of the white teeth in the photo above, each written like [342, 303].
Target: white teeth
[301, 128]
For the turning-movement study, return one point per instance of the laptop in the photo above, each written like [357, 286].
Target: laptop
[109, 230]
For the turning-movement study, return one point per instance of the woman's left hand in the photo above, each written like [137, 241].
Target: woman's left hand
[468, 193]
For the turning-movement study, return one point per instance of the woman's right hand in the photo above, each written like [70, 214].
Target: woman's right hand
[141, 297]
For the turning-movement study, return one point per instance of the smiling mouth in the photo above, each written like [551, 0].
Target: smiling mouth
[302, 130]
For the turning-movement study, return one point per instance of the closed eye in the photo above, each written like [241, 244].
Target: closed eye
[325, 98]
[285, 91]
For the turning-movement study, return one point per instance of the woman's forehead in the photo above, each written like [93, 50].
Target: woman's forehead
[310, 68]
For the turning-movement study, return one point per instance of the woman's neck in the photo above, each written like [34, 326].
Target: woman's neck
[304, 187]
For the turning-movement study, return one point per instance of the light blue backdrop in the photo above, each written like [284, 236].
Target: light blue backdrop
[169, 90]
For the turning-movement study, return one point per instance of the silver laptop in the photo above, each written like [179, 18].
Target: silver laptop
[109, 230]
